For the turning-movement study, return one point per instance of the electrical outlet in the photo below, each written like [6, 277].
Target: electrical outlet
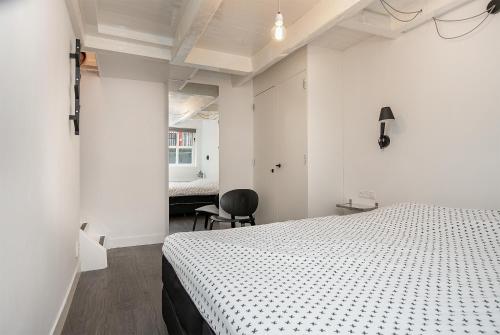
[367, 194]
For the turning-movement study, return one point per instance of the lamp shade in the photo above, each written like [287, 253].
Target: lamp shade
[386, 114]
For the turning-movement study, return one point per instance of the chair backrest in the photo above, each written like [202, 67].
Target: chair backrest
[216, 201]
[241, 202]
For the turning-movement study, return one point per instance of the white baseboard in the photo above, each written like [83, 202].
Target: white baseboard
[132, 241]
[68, 298]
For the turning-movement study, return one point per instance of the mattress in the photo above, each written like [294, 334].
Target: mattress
[179, 313]
[404, 269]
[196, 187]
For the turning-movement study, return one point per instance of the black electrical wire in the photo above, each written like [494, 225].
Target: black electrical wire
[416, 13]
[436, 20]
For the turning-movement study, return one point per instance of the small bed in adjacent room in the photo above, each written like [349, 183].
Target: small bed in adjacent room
[185, 197]
[403, 269]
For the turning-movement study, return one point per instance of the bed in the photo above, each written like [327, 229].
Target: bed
[185, 197]
[403, 269]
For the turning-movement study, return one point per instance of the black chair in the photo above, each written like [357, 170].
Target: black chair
[240, 204]
[207, 211]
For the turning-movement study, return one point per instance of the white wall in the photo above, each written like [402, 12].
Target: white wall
[39, 165]
[235, 131]
[235, 137]
[324, 119]
[444, 147]
[123, 159]
[445, 140]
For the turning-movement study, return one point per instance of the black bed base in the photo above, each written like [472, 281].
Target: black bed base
[185, 205]
[179, 312]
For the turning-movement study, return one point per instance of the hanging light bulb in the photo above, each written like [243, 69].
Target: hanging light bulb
[279, 30]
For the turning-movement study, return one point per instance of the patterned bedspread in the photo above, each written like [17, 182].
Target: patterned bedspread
[404, 269]
[196, 187]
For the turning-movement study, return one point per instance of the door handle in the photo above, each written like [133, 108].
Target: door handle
[278, 165]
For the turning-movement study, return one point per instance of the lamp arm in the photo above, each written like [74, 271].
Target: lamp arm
[382, 129]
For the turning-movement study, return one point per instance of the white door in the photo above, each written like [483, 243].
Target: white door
[265, 151]
[280, 133]
[292, 150]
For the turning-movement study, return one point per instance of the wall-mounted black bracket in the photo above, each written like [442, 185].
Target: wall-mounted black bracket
[76, 117]
[493, 6]
[383, 140]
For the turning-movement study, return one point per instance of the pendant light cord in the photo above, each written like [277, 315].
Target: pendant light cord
[385, 4]
[436, 20]
[488, 11]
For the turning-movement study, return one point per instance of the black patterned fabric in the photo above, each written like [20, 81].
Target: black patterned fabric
[404, 269]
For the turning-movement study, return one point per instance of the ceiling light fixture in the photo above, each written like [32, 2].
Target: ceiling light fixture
[279, 30]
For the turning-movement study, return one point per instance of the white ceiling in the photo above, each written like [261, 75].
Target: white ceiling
[403, 5]
[192, 100]
[156, 17]
[233, 36]
[243, 27]
[179, 76]
[184, 106]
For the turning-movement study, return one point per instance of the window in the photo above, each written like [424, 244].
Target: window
[181, 145]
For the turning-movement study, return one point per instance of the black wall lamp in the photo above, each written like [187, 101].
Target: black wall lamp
[385, 114]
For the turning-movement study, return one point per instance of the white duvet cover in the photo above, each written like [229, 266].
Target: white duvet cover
[196, 187]
[405, 269]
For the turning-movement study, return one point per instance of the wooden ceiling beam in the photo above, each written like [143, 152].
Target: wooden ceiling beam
[371, 23]
[76, 18]
[195, 18]
[97, 43]
[220, 61]
[123, 32]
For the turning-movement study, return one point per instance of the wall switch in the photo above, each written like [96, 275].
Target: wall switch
[367, 194]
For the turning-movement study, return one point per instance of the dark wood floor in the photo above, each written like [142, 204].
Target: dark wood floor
[125, 298]
[122, 299]
[183, 223]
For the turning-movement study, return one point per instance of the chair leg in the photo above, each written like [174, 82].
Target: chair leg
[195, 220]
[211, 224]
[207, 216]
[252, 220]
[233, 224]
